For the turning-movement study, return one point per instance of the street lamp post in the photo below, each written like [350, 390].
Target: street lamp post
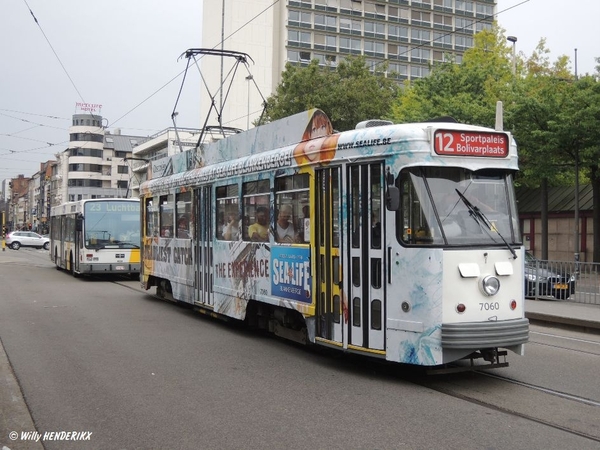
[513, 39]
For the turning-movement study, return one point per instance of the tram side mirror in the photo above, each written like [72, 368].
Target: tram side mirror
[392, 198]
[79, 222]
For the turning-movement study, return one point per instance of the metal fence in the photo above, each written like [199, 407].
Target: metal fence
[577, 282]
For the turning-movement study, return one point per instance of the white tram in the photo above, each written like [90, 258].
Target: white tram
[396, 241]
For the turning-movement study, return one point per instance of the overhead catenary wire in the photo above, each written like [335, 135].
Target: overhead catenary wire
[54, 51]
[248, 22]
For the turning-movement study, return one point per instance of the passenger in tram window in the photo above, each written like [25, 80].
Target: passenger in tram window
[259, 231]
[183, 231]
[231, 231]
[284, 226]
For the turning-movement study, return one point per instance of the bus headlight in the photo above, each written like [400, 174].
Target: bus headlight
[490, 285]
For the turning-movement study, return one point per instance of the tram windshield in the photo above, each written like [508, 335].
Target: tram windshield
[454, 206]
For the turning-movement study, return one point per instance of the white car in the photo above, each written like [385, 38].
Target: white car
[18, 239]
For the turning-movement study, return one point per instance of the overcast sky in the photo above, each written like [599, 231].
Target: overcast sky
[121, 54]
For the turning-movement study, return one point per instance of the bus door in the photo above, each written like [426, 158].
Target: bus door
[328, 271]
[77, 241]
[203, 246]
[366, 300]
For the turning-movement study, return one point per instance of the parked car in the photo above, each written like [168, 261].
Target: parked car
[544, 279]
[18, 239]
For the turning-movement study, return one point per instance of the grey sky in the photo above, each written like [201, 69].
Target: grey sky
[119, 53]
[566, 25]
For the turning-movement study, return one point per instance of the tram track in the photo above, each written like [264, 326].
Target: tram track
[568, 413]
[535, 403]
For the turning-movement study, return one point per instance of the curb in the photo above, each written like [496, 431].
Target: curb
[589, 326]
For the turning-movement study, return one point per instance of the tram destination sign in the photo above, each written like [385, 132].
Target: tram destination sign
[470, 143]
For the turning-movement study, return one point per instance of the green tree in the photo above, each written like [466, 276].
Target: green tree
[348, 93]
[467, 91]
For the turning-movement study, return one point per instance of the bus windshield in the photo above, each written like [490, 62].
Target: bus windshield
[112, 224]
[454, 206]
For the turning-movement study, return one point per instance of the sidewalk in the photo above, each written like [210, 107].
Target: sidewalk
[584, 317]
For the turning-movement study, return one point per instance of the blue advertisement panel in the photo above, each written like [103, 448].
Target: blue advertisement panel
[290, 273]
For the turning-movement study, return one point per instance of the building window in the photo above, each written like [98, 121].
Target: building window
[420, 17]
[420, 35]
[463, 41]
[466, 6]
[418, 72]
[442, 20]
[122, 169]
[420, 54]
[444, 39]
[122, 184]
[464, 24]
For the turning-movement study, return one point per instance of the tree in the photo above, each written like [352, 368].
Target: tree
[348, 93]
[467, 91]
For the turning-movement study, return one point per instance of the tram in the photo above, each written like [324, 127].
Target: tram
[397, 241]
[96, 236]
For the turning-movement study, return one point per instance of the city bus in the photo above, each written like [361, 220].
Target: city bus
[396, 241]
[96, 236]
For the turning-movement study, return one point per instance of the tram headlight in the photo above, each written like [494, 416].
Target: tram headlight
[490, 285]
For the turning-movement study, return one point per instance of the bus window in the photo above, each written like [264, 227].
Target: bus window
[166, 216]
[228, 212]
[292, 221]
[256, 210]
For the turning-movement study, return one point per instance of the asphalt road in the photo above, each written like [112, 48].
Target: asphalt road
[103, 357]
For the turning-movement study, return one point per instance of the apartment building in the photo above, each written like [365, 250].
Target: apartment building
[409, 35]
[95, 164]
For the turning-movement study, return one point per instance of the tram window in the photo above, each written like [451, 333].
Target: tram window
[356, 312]
[356, 271]
[256, 200]
[416, 213]
[376, 315]
[335, 215]
[376, 193]
[151, 218]
[355, 206]
[292, 221]
[166, 216]
[376, 273]
[228, 212]
[183, 212]
[336, 308]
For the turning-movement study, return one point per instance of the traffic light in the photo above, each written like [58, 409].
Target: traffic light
[29, 227]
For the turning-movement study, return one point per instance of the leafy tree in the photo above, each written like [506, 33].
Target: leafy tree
[468, 91]
[348, 93]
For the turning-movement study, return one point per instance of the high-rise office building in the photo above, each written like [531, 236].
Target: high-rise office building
[409, 34]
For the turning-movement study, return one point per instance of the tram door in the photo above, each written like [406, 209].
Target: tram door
[327, 265]
[203, 251]
[366, 299]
